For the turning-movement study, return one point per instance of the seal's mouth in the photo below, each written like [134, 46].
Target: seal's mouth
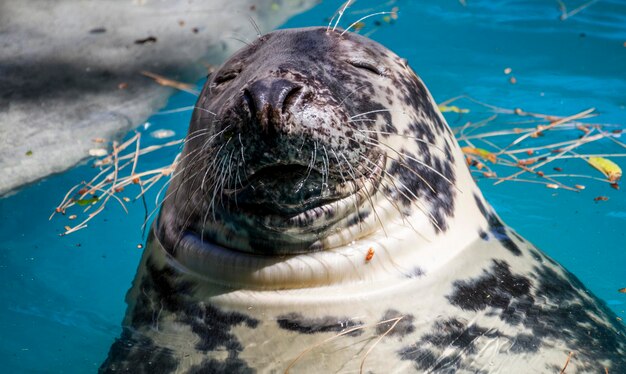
[286, 209]
[284, 190]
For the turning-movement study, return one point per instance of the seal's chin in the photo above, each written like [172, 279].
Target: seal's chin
[283, 190]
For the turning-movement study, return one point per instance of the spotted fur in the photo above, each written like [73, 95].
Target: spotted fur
[309, 151]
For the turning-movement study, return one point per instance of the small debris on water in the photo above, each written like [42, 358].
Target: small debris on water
[67, 228]
[98, 140]
[512, 80]
[370, 255]
[601, 198]
[122, 86]
[607, 167]
[579, 186]
[98, 30]
[622, 290]
[394, 12]
[558, 169]
[195, 30]
[162, 134]
[139, 246]
[508, 71]
[358, 26]
[126, 199]
[85, 202]
[149, 39]
[98, 152]
[29, 153]
[552, 185]
[73, 216]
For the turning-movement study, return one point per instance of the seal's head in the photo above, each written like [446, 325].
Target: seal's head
[306, 140]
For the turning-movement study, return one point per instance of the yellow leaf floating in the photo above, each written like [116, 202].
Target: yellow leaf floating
[480, 153]
[452, 108]
[610, 169]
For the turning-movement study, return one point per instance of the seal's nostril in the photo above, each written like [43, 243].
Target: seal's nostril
[268, 99]
[291, 97]
[248, 101]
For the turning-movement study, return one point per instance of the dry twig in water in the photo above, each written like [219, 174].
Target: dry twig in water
[109, 182]
[163, 81]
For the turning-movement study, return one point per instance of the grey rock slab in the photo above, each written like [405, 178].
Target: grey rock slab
[62, 63]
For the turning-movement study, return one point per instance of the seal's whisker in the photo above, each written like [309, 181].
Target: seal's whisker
[186, 206]
[212, 187]
[243, 157]
[311, 164]
[157, 203]
[177, 110]
[363, 18]
[216, 154]
[341, 11]
[401, 162]
[230, 170]
[256, 27]
[395, 204]
[326, 174]
[204, 110]
[352, 93]
[404, 136]
[339, 164]
[409, 157]
[415, 198]
[369, 198]
[371, 112]
[247, 43]
[216, 187]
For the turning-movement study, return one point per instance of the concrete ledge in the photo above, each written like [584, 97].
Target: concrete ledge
[62, 63]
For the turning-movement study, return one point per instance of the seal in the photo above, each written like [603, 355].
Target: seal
[322, 219]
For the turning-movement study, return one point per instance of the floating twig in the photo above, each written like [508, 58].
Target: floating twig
[163, 81]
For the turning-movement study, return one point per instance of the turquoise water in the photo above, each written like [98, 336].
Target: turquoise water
[63, 297]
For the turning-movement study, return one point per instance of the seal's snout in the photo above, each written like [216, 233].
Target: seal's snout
[268, 99]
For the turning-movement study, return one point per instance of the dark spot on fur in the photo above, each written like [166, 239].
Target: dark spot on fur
[162, 292]
[497, 228]
[426, 180]
[134, 353]
[483, 235]
[495, 288]
[230, 365]
[499, 231]
[553, 306]
[403, 326]
[298, 323]
[480, 205]
[525, 343]
[452, 335]
[416, 273]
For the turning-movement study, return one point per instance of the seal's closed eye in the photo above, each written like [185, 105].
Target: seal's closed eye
[366, 65]
[226, 76]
